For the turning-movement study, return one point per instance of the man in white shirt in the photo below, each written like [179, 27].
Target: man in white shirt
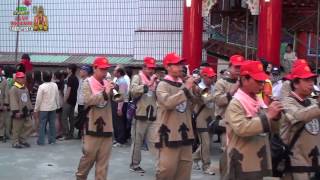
[121, 125]
[47, 102]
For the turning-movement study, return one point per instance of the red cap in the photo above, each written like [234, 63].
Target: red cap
[302, 71]
[254, 69]
[299, 62]
[172, 58]
[237, 60]
[288, 77]
[296, 63]
[208, 71]
[101, 63]
[150, 62]
[20, 75]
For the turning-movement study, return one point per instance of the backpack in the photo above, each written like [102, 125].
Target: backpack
[280, 152]
[131, 108]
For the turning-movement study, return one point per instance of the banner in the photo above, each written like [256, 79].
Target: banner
[23, 17]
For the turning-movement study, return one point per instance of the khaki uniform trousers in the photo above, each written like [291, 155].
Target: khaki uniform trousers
[174, 163]
[95, 150]
[223, 157]
[203, 151]
[21, 129]
[2, 122]
[5, 123]
[141, 130]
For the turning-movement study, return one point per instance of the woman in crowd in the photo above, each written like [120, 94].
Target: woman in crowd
[33, 85]
[59, 80]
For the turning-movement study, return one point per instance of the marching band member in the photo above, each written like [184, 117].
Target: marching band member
[97, 139]
[142, 91]
[225, 88]
[3, 104]
[174, 135]
[248, 148]
[21, 109]
[204, 115]
[301, 127]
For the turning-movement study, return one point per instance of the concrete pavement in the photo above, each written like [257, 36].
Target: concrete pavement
[60, 161]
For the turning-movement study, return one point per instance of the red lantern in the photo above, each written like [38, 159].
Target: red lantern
[27, 2]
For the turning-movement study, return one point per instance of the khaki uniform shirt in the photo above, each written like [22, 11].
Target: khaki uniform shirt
[20, 101]
[3, 92]
[222, 97]
[306, 150]
[99, 115]
[248, 149]
[146, 105]
[207, 115]
[174, 126]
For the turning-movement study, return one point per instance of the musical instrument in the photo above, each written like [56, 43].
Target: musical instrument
[117, 97]
[204, 92]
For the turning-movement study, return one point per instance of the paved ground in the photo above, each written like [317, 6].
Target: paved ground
[59, 162]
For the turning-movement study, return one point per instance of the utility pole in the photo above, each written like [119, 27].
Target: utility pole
[17, 35]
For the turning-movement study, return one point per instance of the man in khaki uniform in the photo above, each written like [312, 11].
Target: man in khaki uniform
[97, 139]
[174, 135]
[7, 113]
[143, 92]
[205, 116]
[248, 148]
[21, 108]
[225, 89]
[3, 104]
[302, 114]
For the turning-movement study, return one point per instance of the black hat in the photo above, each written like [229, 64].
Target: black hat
[275, 70]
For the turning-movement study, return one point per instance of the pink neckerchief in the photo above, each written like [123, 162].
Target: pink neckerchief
[170, 78]
[147, 81]
[250, 105]
[96, 86]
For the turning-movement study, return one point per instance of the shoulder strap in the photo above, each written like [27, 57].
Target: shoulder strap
[199, 111]
[296, 137]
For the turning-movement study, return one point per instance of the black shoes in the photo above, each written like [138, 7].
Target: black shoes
[25, 144]
[137, 170]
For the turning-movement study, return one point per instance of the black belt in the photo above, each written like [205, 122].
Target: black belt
[145, 118]
[98, 134]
